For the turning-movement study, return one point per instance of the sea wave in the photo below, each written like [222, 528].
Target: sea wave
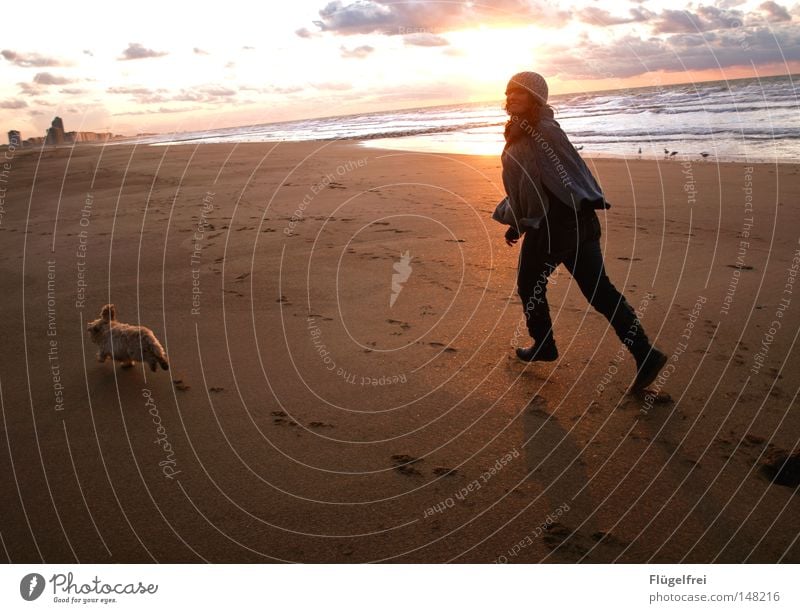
[755, 112]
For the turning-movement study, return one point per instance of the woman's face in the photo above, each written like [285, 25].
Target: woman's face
[518, 101]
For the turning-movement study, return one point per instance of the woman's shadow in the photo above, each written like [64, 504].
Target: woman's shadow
[555, 463]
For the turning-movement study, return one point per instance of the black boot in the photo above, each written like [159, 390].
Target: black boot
[649, 360]
[647, 367]
[539, 352]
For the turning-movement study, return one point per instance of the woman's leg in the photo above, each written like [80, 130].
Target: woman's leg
[588, 269]
[534, 269]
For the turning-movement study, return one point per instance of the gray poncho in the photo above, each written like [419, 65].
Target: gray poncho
[543, 156]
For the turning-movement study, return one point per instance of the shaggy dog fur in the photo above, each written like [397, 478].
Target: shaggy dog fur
[125, 343]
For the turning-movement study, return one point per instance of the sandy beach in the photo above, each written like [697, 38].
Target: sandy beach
[319, 410]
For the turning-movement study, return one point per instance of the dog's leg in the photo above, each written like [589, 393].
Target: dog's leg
[127, 364]
[102, 356]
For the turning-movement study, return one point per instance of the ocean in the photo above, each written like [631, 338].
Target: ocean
[755, 119]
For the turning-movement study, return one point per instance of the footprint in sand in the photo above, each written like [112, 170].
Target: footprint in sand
[607, 538]
[320, 424]
[281, 418]
[443, 471]
[446, 348]
[594, 407]
[558, 536]
[216, 390]
[651, 396]
[404, 464]
[180, 385]
[562, 540]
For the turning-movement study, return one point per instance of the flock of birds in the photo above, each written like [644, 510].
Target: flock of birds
[671, 154]
[667, 153]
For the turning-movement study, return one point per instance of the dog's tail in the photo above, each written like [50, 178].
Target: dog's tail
[155, 351]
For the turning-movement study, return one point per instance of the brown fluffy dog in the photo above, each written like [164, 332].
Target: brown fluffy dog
[125, 343]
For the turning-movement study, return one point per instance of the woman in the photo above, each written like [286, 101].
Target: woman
[551, 199]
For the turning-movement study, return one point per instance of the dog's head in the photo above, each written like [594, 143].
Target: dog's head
[99, 327]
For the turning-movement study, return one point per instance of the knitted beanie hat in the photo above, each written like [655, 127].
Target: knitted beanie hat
[533, 82]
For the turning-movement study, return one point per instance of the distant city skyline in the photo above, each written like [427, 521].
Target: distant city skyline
[318, 58]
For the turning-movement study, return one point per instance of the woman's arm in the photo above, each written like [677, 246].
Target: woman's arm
[522, 180]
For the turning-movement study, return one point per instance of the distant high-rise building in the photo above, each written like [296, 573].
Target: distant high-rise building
[55, 133]
[14, 138]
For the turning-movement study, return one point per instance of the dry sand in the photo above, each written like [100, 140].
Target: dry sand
[306, 419]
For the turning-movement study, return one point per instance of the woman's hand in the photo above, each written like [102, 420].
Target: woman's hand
[512, 236]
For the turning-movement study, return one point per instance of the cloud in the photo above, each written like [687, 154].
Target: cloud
[218, 92]
[401, 94]
[357, 52]
[141, 95]
[31, 89]
[206, 94]
[73, 91]
[13, 104]
[248, 48]
[711, 18]
[304, 33]
[283, 90]
[271, 89]
[601, 17]
[160, 111]
[632, 55]
[400, 18]
[706, 18]
[199, 51]
[774, 12]
[87, 52]
[132, 90]
[46, 78]
[425, 39]
[334, 86]
[136, 51]
[28, 60]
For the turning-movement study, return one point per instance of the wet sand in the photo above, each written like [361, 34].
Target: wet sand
[319, 410]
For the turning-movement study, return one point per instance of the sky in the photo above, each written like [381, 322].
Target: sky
[166, 66]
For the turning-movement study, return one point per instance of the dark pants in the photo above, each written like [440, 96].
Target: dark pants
[573, 240]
